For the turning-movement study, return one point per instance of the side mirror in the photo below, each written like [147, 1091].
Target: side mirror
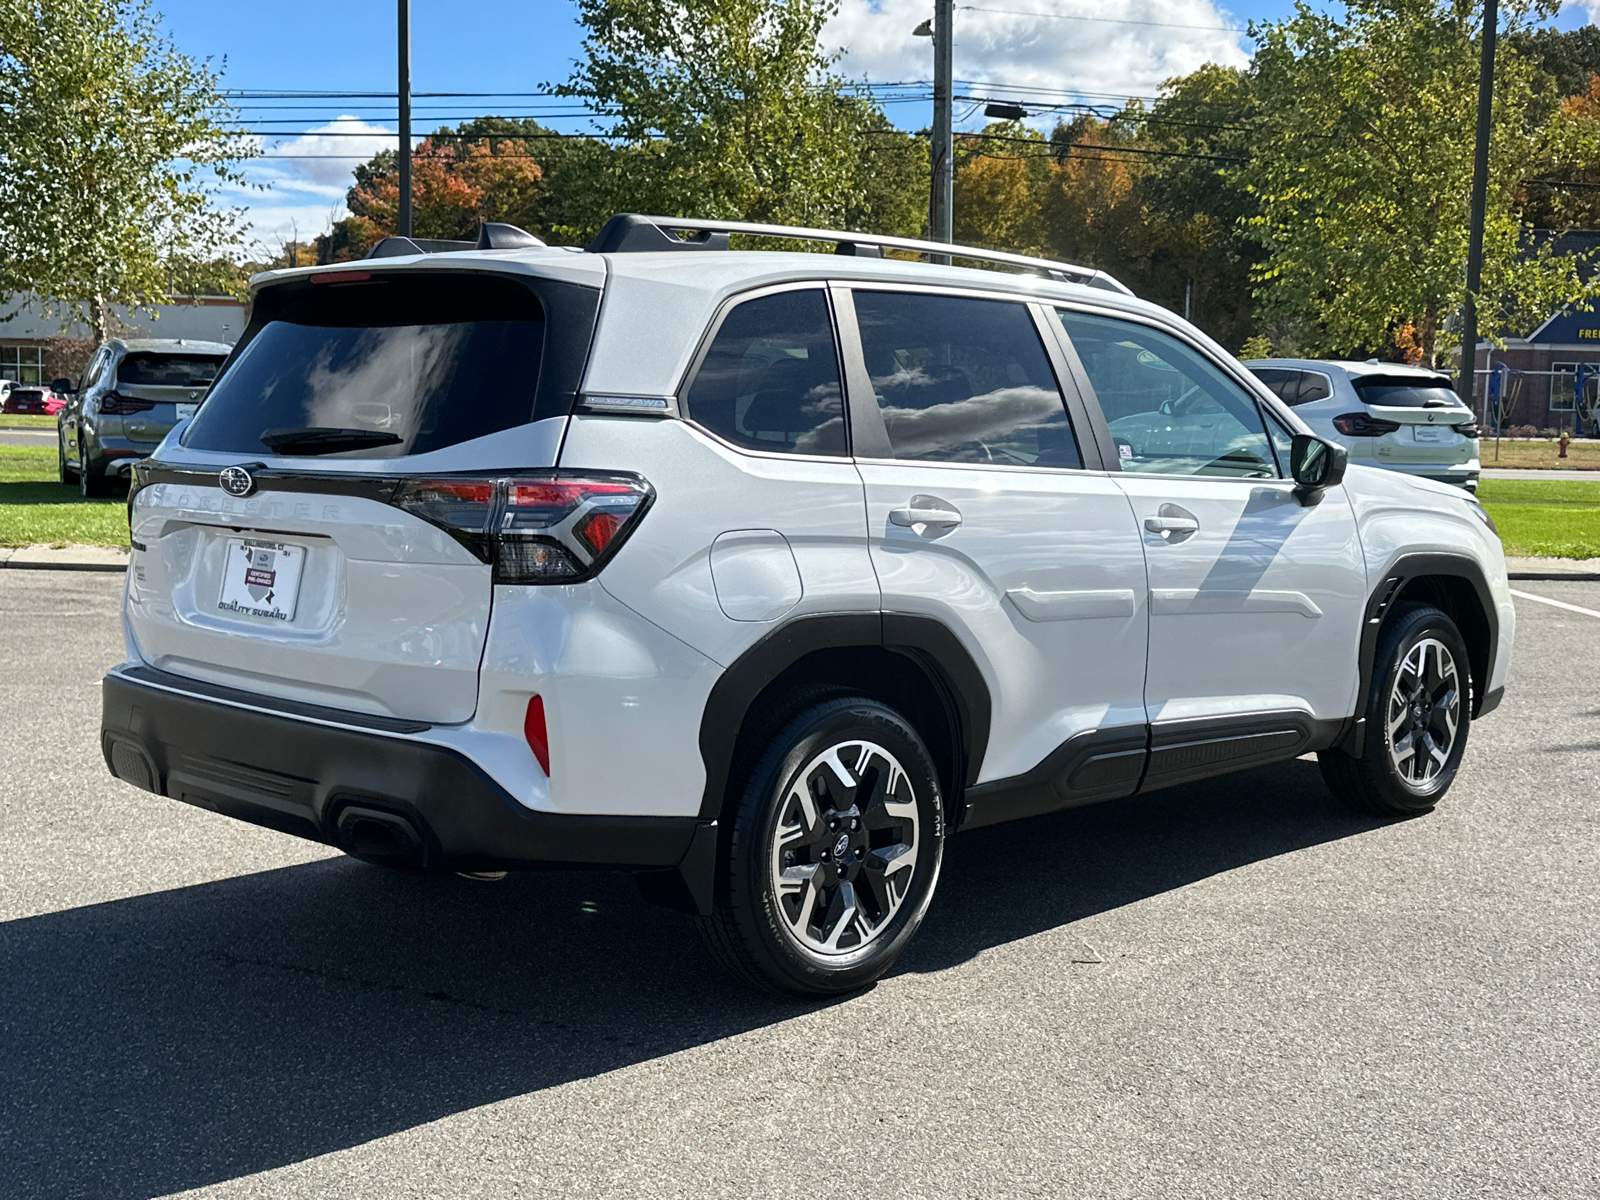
[1316, 466]
[62, 387]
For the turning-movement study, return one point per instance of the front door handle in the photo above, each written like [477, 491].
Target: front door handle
[926, 510]
[1173, 523]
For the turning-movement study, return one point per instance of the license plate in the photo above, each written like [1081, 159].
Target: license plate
[186, 410]
[261, 579]
[1427, 433]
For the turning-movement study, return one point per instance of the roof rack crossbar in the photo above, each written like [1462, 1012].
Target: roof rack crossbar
[618, 236]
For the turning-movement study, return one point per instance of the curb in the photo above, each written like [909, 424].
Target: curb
[47, 566]
[1574, 576]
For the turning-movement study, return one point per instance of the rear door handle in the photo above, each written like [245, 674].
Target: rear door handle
[1171, 525]
[926, 510]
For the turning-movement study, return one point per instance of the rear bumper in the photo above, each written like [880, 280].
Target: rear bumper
[366, 791]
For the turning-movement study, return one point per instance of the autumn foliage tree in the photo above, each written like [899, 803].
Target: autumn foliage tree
[455, 186]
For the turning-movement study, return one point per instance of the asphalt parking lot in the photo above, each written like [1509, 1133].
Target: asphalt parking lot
[1231, 989]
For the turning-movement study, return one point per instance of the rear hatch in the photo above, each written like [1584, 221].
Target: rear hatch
[298, 540]
[1428, 413]
[154, 388]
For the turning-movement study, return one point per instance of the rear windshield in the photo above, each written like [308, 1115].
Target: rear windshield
[374, 368]
[1406, 393]
[149, 369]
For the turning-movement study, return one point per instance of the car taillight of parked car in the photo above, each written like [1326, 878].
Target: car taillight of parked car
[555, 528]
[1359, 424]
[114, 405]
[1467, 429]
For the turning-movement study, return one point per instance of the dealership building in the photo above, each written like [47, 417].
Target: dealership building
[41, 340]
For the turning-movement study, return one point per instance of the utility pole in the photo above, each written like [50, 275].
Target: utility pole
[1480, 191]
[403, 227]
[943, 197]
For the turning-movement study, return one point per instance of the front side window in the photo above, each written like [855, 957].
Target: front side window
[1170, 410]
[770, 380]
[963, 380]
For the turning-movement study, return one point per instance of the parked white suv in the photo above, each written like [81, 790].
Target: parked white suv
[756, 573]
[1389, 415]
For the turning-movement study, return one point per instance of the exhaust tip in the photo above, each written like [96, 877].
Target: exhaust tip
[381, 837]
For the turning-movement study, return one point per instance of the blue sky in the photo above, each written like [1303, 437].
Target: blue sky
[1039, 49]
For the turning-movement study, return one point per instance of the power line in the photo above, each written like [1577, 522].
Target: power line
[1014, 12]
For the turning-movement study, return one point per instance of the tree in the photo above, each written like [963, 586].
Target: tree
[727, 108]
[455, 186]
[1361, 163]
[113, 145]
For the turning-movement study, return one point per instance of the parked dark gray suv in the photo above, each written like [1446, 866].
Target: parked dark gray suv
[132, 392]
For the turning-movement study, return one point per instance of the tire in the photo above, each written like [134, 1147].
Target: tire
[785, 917]
[1418, 715]
[92, 484]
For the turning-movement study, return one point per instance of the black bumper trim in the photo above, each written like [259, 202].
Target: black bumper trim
[292, 708]
[301, 777]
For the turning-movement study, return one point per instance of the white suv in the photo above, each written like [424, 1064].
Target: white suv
[756, 573]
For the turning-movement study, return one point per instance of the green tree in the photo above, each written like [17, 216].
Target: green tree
[113, 145]
[726, 108]
[1361, 164]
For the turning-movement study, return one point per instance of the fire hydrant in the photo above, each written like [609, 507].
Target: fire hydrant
[1562, 452]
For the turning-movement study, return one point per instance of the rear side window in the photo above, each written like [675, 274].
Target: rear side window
[961, 380]
[770, 380]
[1293, 387]
[1405, 393]
[377, 368]
[149, 369]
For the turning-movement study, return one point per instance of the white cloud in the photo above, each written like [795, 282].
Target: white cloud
[1034, 51]
[348, 140]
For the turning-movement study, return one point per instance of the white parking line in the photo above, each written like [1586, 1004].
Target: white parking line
[1588, 612]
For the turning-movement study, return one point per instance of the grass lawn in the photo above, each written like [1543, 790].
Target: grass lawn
[35, 508]
[1545, 516]
[26, 421]
[1540, 453]
[1536, 516]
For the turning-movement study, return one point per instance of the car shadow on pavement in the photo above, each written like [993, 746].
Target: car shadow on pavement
[187, 1037]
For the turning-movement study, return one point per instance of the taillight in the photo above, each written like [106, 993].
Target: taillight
[1360, 424]
[115, 405]
[1467, 429]
[555, 528]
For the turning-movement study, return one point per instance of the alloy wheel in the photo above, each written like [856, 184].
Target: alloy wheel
[844, 848]
[1424, 713]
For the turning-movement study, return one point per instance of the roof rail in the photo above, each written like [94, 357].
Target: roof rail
[627, 233]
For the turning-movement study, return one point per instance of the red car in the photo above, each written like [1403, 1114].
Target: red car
[37, 401]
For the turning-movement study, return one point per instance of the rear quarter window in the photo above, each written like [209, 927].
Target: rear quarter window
[378, 367]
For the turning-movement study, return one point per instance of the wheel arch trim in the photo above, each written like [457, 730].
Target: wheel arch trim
[928, 643]
[1396, 582]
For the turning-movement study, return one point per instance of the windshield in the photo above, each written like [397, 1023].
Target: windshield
[1406, 393]
[148, 369]
[378, 368]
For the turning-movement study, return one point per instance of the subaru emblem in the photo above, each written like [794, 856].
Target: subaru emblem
[236, 481]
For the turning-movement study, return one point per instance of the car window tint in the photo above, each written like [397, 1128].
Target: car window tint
[961, 380]
[1312, 387]
[1406, 393]
[1284, 383]
[1170, 410]
[771, 378]
[148, 369]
